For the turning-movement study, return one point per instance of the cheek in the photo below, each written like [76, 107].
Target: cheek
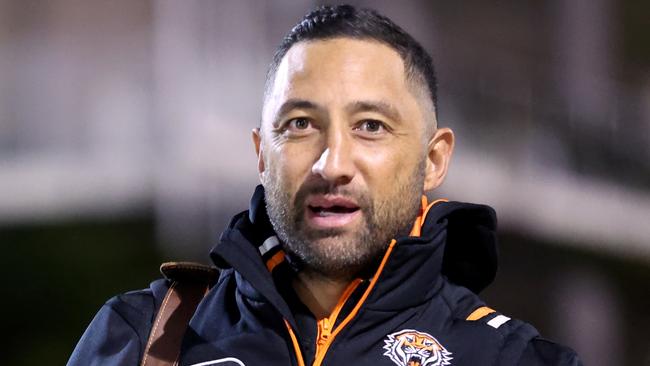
[386, 169]
[288, 165]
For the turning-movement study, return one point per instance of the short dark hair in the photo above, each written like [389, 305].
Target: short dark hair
[327, 22]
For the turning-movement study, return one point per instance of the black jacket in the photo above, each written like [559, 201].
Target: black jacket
[419, 308]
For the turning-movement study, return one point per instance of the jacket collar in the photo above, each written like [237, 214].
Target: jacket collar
[457, 240]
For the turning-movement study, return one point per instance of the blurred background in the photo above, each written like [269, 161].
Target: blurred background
[125, 142]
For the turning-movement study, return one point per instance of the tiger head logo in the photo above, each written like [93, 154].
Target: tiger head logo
[409, 347]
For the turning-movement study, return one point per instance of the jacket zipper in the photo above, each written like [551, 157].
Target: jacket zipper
[321, 349]
[325, 333]
[325, 325]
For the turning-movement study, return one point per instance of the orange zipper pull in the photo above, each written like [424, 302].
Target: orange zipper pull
[324, 331]
[325, 325]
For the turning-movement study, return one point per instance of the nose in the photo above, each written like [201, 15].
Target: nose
[335, 164]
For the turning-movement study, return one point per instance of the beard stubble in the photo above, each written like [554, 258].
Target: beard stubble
[339, 253]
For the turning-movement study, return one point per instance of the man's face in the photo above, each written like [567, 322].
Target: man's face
[343, 153]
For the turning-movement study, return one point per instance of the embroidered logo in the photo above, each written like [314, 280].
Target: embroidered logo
[410, 347]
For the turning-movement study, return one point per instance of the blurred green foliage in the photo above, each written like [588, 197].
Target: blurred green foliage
[57, 276]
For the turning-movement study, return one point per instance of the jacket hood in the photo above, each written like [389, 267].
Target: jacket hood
[458, 240]
[471, 250]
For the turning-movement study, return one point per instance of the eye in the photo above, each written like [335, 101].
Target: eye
[298, 126]
[371, 126]
[299, 123]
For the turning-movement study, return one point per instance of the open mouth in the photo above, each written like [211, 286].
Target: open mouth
[415, 361]
[331, 211]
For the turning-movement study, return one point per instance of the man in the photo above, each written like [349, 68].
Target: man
[341, 259]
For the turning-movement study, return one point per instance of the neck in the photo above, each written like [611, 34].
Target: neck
[319, 293]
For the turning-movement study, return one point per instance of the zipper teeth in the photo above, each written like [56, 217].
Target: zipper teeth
[319, 357]
[325, 325]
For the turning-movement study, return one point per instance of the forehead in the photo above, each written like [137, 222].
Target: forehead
[343, 54]
[341, 67]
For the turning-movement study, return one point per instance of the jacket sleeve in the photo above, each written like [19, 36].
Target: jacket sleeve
[542, 352]
[118, 334]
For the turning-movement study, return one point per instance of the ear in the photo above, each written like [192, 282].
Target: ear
[257, 141]
[439, 151]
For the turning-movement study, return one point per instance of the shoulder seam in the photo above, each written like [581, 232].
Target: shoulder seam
[139, 310]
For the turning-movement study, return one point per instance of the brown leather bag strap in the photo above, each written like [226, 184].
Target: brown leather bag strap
[190, 283]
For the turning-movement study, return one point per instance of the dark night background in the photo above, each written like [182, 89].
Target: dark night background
[125, 142]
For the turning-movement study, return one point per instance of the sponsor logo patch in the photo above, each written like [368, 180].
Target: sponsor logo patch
[410, 347]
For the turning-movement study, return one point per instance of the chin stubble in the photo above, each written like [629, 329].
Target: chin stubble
[336, 253]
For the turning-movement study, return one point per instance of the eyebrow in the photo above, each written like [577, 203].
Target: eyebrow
[294, 103]
[381, 107]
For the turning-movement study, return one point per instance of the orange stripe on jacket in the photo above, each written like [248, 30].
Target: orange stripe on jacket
[322, 349]
[480, 313]
[424, 210]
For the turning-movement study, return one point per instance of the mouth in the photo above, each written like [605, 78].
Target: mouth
[331, 211]
[415, 361]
